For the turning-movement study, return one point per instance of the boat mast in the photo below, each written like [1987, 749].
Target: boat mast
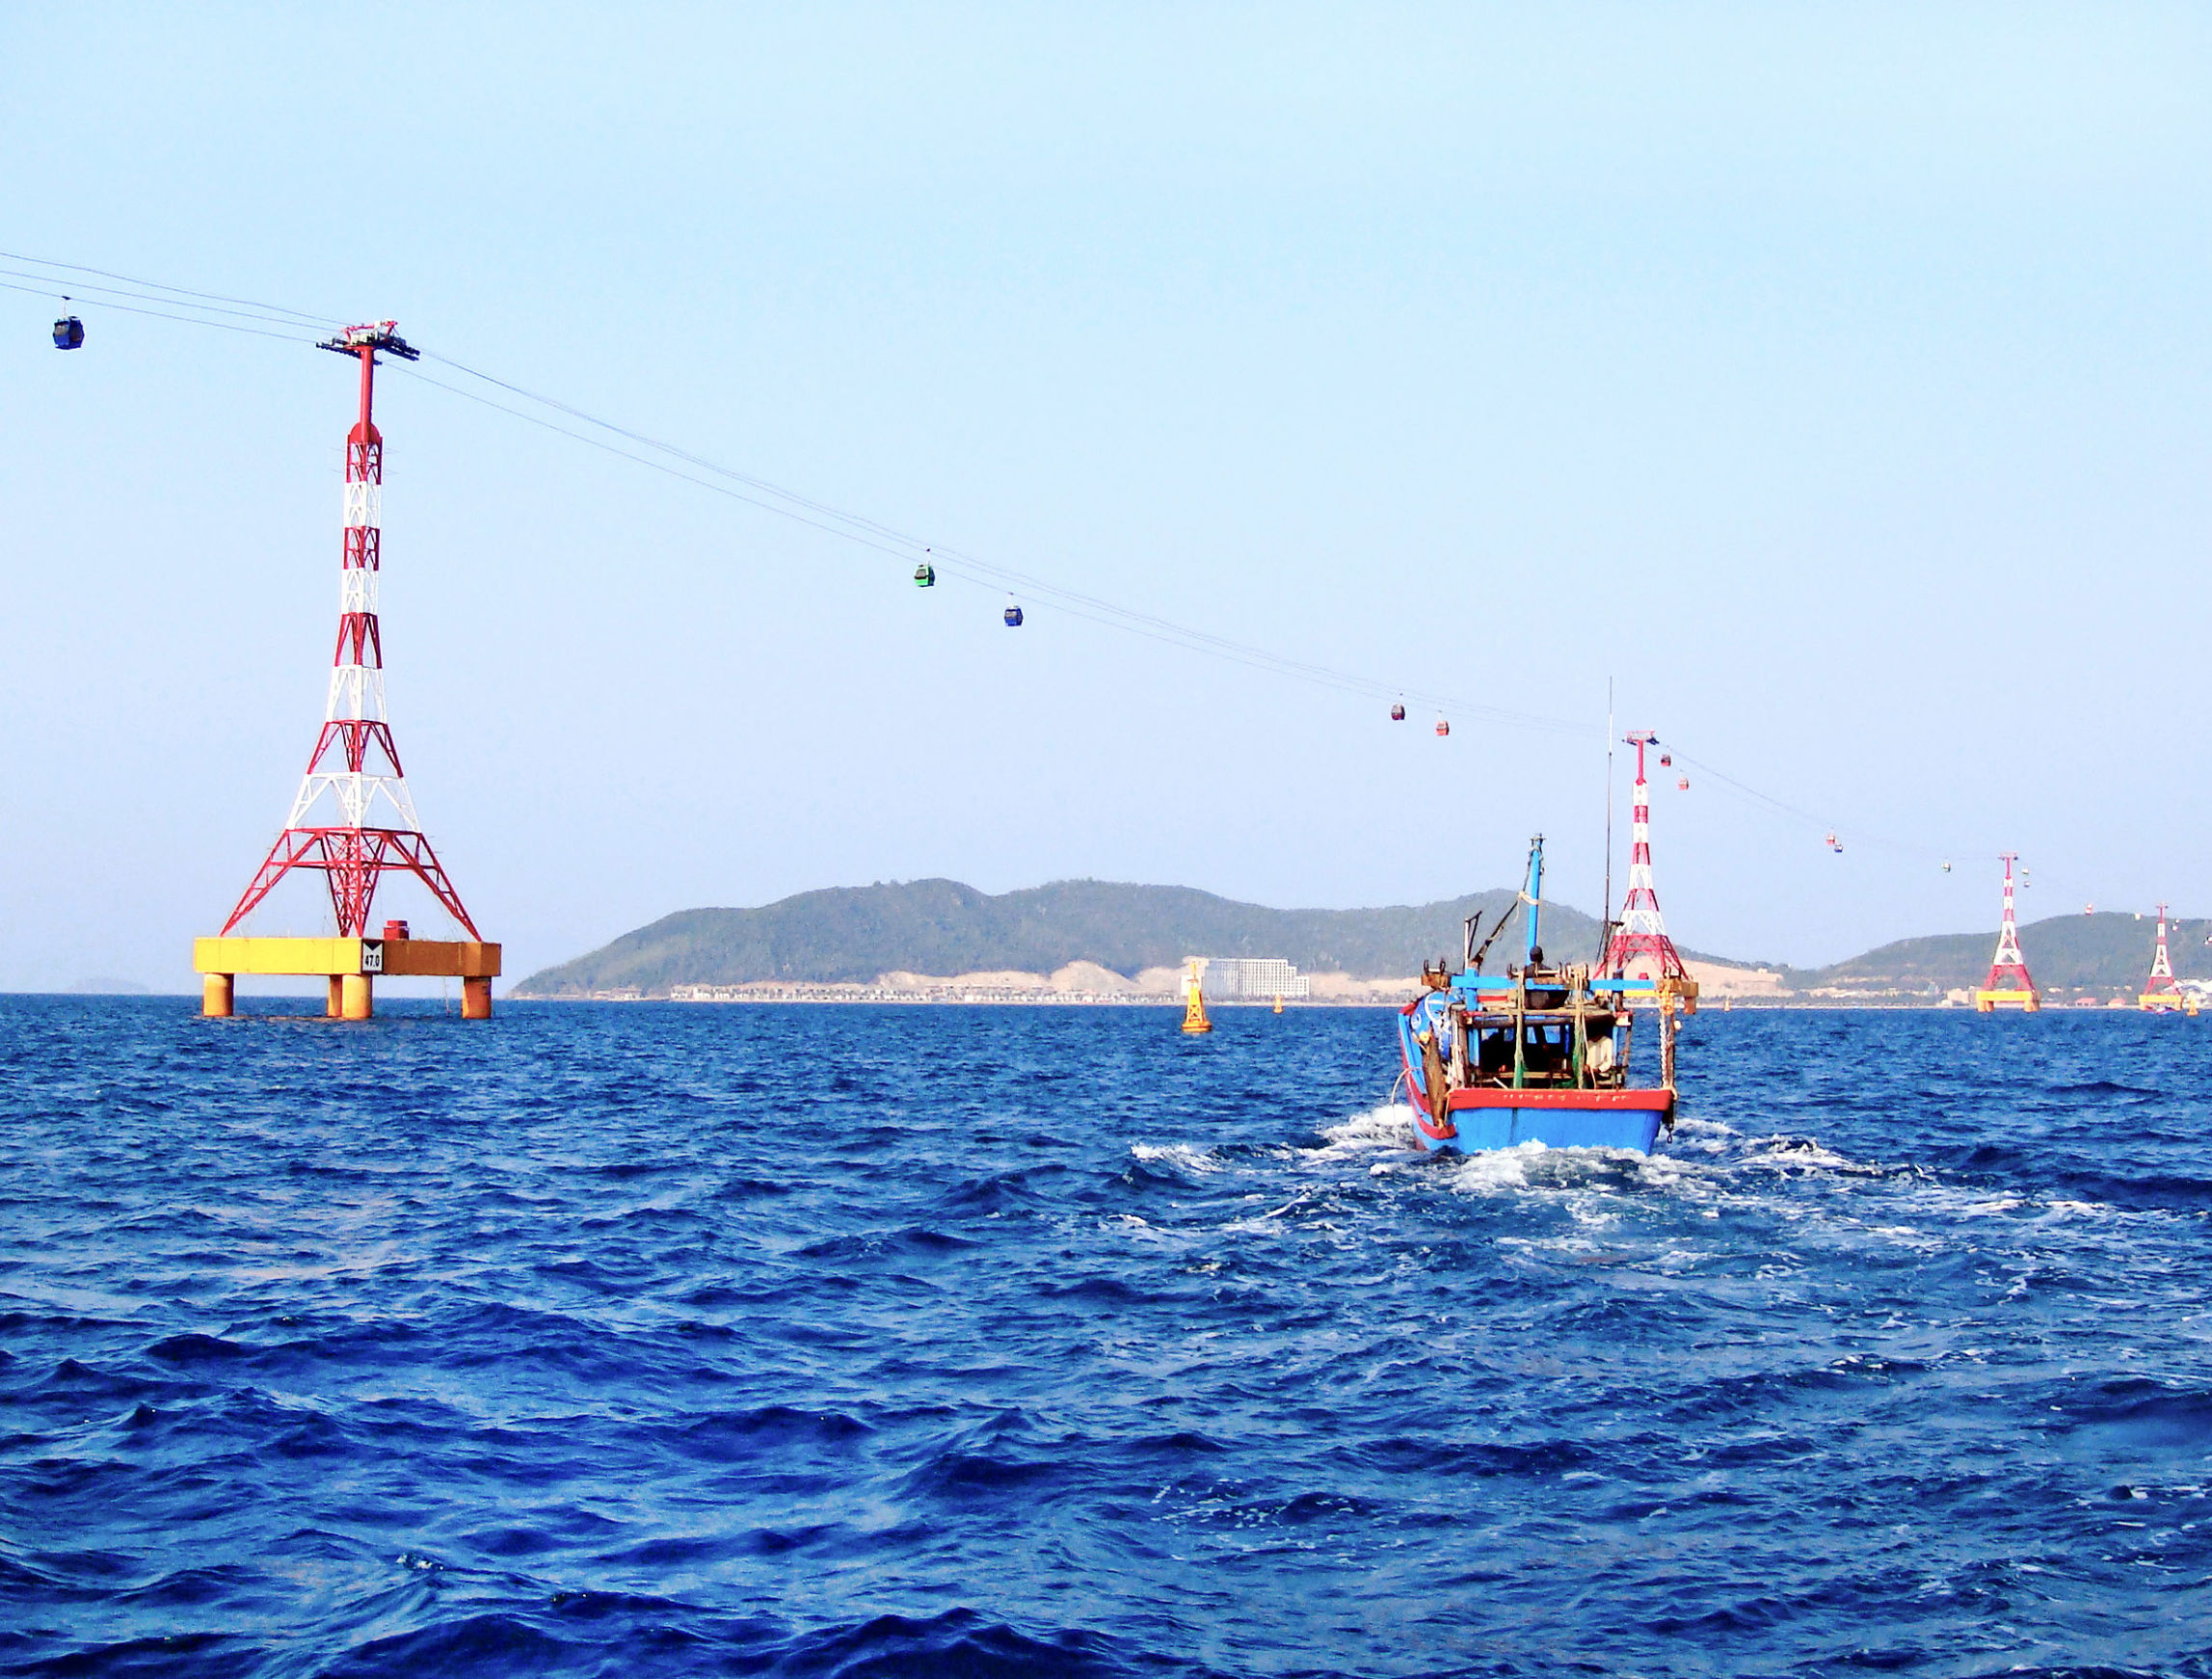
[1536, 894]
[1605, 920]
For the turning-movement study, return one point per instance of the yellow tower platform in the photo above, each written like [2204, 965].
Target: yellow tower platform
[351, 965]
[1991, 1001]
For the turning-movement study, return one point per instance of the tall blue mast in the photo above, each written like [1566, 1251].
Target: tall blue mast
[1536, 894]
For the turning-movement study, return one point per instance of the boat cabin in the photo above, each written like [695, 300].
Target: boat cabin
[1538, 1053]
[1532, 1027]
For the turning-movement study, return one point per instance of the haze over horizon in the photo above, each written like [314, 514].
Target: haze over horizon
[1834, 381]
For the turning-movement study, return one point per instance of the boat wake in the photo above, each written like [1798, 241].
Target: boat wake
[1388, 1127]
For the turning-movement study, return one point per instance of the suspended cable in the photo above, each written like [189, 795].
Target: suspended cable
[978, 573]
[162, 316]
[103, 295]
[766, 496]
[317, 321]
[279, 321]
[886, 539]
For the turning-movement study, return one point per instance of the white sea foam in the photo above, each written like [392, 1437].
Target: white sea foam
[1388, 1127]
[1683, 1124]
[2076, 1208]
[1669, 1171]
[1798, 1153]
[1493, 1171]
[1182, 1157]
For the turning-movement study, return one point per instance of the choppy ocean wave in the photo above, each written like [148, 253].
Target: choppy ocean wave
[795, 1342]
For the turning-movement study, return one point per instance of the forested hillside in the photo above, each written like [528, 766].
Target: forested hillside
[940, 926]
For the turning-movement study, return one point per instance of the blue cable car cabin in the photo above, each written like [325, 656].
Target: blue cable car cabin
[1013, 616]
[69, 334]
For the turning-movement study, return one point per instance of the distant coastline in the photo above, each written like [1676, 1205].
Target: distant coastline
[1110, 943]
[1083, 984]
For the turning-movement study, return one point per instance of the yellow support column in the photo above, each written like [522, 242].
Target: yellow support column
[217, 992]
[357, 997]
[348, 966]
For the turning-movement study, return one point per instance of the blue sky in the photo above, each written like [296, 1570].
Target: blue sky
[1833, 378]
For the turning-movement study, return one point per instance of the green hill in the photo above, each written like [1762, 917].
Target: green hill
[852, 934]
[2107, 954]
[940, 926]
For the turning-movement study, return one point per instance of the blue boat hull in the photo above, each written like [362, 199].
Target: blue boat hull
[1489, 1118]
[1556, 1128]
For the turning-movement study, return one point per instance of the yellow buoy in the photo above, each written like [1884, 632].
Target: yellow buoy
[1194, 998]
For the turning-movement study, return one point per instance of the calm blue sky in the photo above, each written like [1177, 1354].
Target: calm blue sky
[1835, 378]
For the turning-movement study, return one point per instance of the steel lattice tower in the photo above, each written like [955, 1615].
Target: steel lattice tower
[353, 819]
[2009, 981]
[2162, 991]
[1639, 947]
[2161, 965]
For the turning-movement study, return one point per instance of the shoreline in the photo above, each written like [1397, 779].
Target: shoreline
[884, 996]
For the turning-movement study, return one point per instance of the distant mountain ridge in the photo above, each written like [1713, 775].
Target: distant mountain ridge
[852, 934]
[2107, 954]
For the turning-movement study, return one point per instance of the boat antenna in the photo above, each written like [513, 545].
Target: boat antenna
[1605, 922]
[1499, 926]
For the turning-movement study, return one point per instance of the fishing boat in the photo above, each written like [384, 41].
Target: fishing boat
[1539, 1053]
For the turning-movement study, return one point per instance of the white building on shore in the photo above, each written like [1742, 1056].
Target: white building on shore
[1254, 980]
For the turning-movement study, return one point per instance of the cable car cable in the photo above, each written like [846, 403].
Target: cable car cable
[827, 518]
[316, 321]
[830, 520]
[82, 290]
[875, 533]
[1074, 606]
[159, 316]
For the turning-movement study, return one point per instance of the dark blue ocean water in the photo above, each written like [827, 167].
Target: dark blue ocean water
[691, 1340]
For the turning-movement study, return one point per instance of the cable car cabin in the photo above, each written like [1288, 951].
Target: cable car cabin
[1013, 616]
[925, 575]
[1397, 714]
[69, 334]
[1442, 728]
[1682, 786]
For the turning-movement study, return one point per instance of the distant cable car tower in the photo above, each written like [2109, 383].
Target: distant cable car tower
[2008, 985]
[352, 817]
[1639, 947]
[2162, 993]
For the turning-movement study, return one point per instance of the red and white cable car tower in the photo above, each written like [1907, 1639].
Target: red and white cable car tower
[352, 818]
[1639, 947]
[2008, 985]
[2162, 993]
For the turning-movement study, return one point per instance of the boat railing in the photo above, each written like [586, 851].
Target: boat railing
[1538, 1029]
[1543, 1028]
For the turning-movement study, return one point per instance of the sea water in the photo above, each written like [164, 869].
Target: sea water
[651, 1339]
